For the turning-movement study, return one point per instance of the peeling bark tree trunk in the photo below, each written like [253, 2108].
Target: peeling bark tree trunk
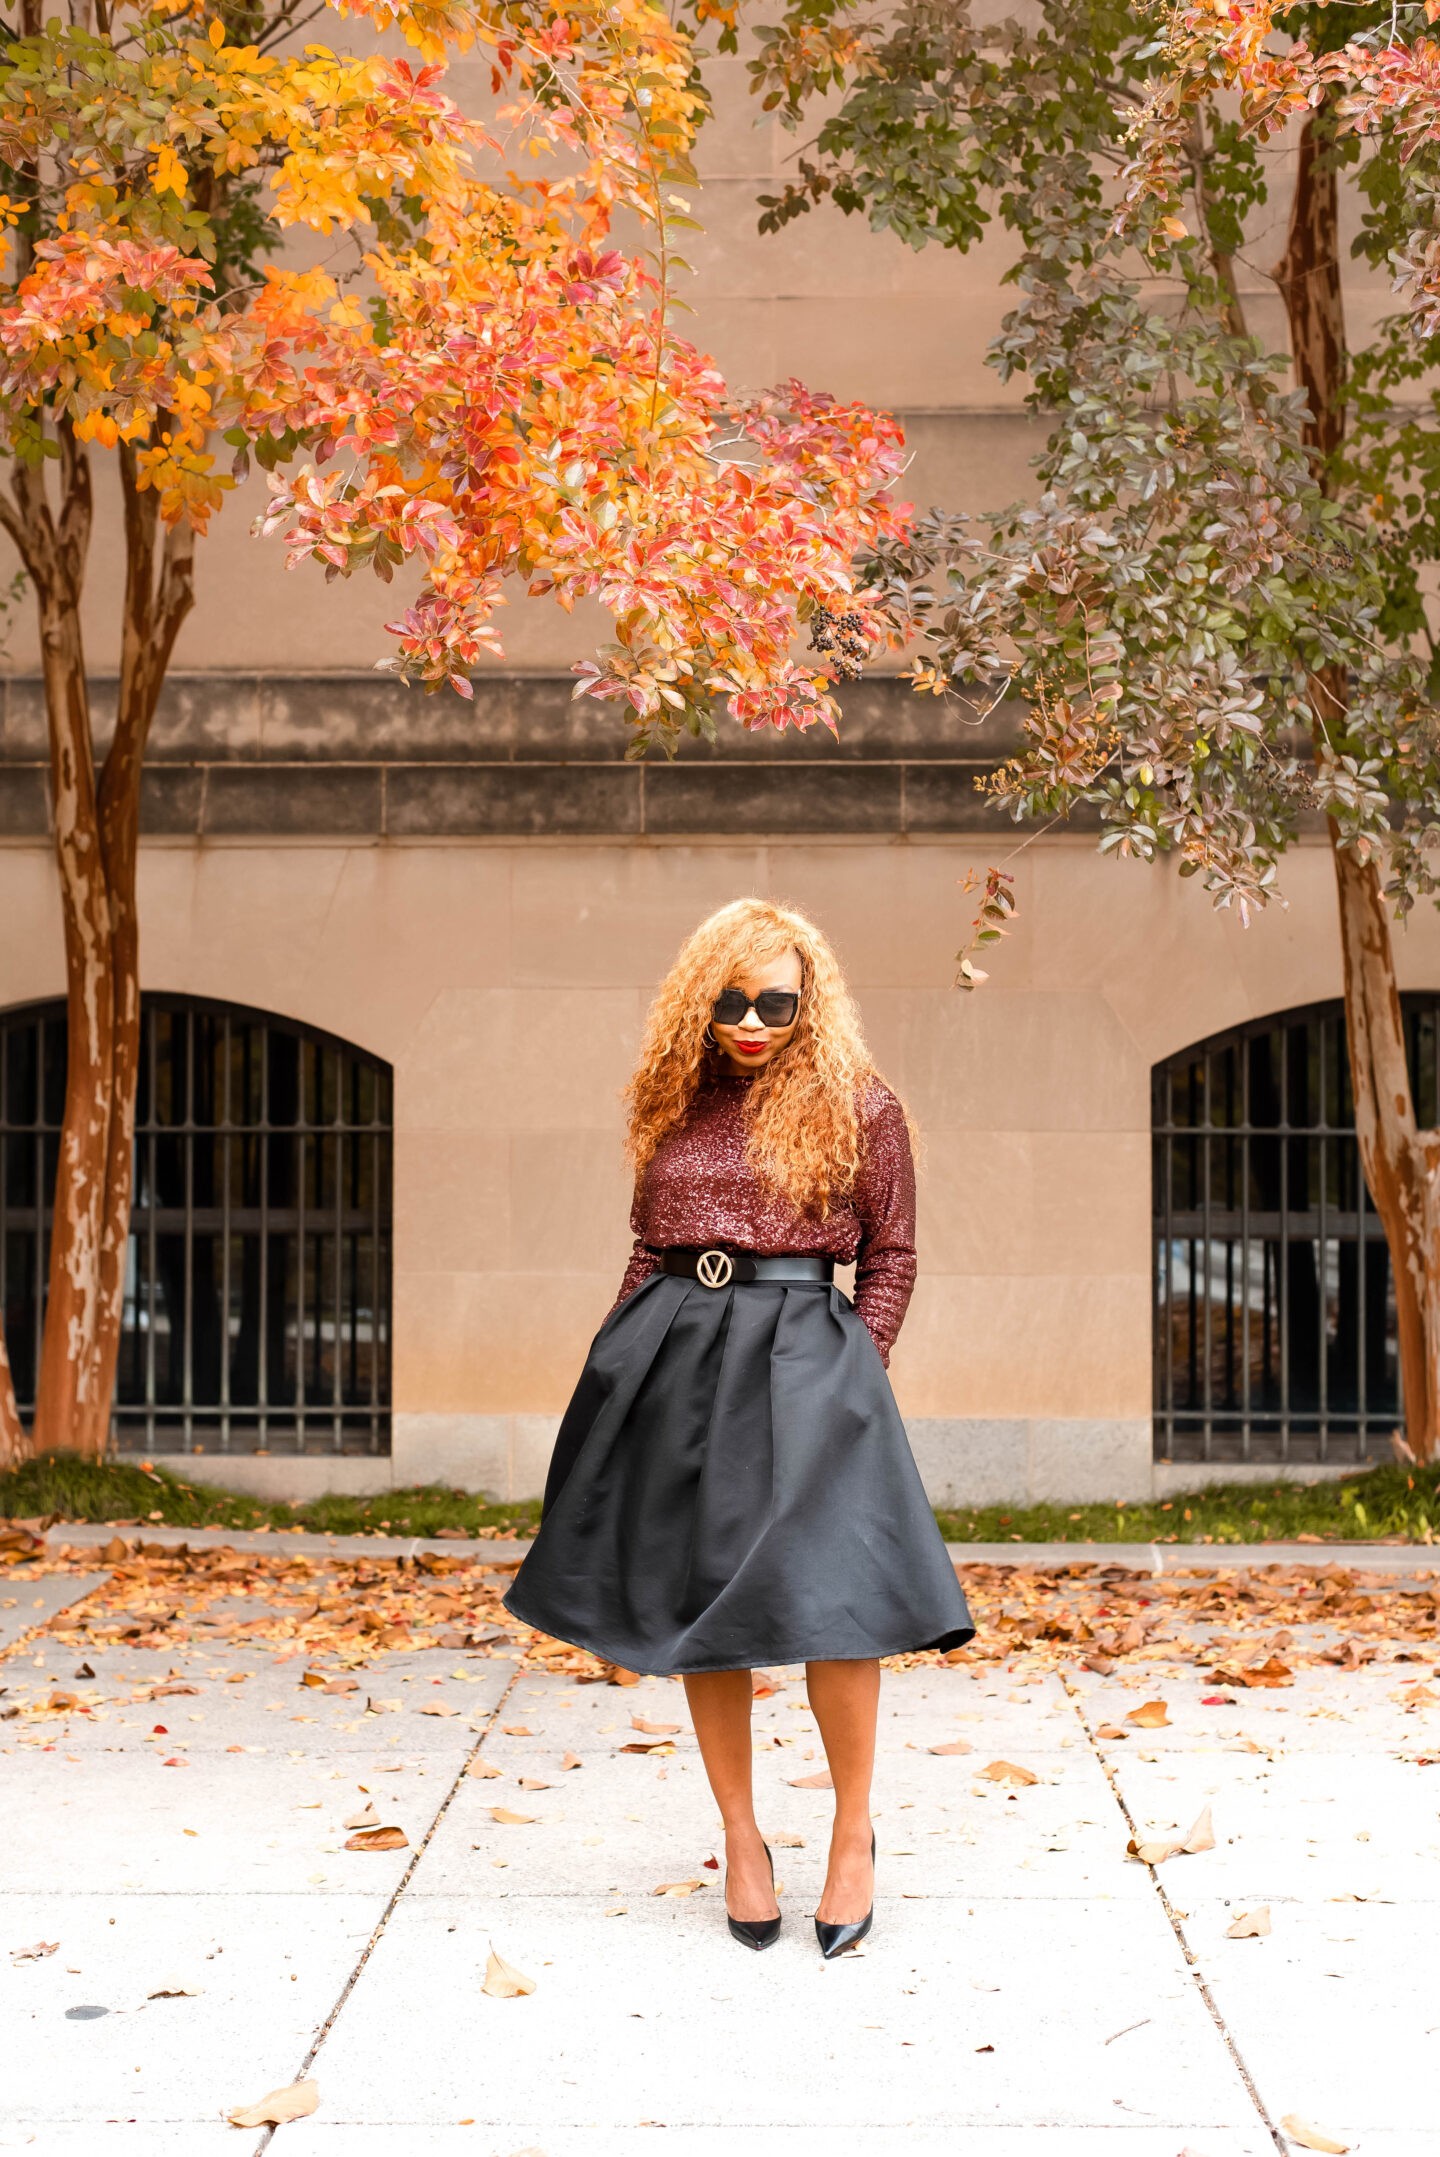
[96, 848]
[1401, 1163]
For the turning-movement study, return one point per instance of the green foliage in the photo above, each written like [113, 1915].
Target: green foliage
[67, 1487]
[1373, 1505]
[1384, 1504]
[1218, 635]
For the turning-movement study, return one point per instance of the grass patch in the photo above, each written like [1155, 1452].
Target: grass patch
[1371, 1505]
[74, 1489]
[1388, 1501]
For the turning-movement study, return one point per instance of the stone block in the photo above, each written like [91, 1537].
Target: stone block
[946, 797]
[1080, 1460]
[532, 1441]
[512, 800]
[172, 798]
[286, 1478]
[970, 1460]
[293, 801]
[685, 798]
[24, 802]
[467, 1452]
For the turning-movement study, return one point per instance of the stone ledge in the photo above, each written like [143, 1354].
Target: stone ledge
[876, 799]
[514, 719]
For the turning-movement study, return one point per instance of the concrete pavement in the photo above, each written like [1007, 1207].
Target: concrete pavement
[1157, 1558]
[1029, 1991]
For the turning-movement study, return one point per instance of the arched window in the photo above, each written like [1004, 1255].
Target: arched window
[1274, 1312]
[257, 1285]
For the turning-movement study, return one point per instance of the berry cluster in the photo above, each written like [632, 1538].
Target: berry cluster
[842, 636]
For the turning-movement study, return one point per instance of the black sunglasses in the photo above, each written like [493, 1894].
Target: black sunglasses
[773, 1007]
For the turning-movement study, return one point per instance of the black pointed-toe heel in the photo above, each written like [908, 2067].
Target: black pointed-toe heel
[760, 1931]
[834, 1939]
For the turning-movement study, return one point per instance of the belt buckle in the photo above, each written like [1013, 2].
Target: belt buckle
[714, 1269]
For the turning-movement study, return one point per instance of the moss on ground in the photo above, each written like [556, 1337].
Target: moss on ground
[1389, 1502]
[1373, 1505]
[70, 1488]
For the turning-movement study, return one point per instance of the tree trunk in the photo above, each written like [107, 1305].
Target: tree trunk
[1401, 1163]
[96, 847]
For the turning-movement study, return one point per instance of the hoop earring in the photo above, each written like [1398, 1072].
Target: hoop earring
[708, 1039]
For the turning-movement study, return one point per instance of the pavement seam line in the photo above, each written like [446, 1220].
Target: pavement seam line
[1077, 1702]
[267, 2134]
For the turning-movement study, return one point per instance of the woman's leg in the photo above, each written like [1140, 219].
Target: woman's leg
[845, 1698]
[720, 1709]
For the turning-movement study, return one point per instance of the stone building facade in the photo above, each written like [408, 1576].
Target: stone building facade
[481, 898]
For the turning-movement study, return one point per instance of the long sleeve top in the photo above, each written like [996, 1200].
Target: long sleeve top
[699, 1189]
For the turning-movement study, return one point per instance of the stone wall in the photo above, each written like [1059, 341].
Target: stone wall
[501, 959]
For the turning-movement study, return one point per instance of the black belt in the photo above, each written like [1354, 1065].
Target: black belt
[717, 1269]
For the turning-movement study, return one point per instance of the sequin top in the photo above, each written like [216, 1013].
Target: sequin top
[699, 1189]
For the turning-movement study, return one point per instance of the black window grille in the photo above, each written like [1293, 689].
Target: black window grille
[1274, 1307]
[257, 1284]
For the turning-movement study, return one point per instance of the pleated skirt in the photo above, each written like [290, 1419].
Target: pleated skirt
[732, 1486]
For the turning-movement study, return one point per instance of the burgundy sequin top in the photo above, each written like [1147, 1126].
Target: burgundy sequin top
[699, 1189]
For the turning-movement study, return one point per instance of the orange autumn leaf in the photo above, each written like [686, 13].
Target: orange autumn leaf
[378, 1838]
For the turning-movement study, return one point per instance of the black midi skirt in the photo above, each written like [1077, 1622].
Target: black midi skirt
[731, 1486]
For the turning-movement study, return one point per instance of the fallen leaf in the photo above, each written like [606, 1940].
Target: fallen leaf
[677, 1887]
[318, 1680]
[1110, 1730]
[503, 1981]
[439, 1707]
[517, 1730]
[762, 1685]
[482, 1767]
[116, 1551]
[616, 1674]
[1102, 1665]
[175, 1992]
[956, 1745]
[37, 1953]
[295, 2102]
[1005, 1771]
[379, 1838]
[1270, 1672]
[788, 1842]
[811, 1782]
[572, 1760]
[1201, 1837]
[1250, 1925]
[1218, 1700]
[1311, 2138]
[341, 1685]
[511, 1819]
[84, 1671]
[533, 1782]
[648, 1746]
[368, 1818]
[656, 1730]
[1150, 1715]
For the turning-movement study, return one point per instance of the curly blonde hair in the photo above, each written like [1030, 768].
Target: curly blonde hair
[803, 1107]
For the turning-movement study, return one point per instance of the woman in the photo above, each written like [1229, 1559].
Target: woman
[732, 1485]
